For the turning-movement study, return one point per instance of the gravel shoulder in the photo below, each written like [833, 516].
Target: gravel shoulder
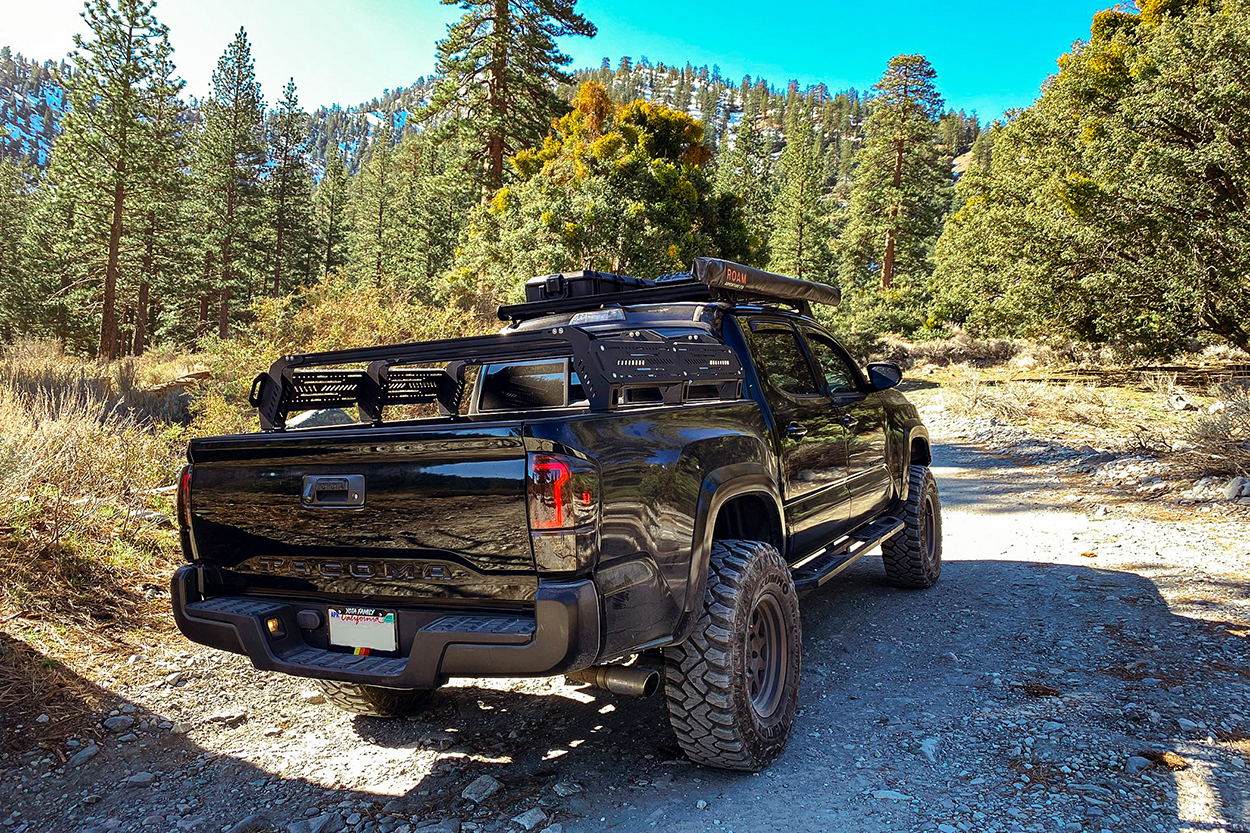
[1083, 664]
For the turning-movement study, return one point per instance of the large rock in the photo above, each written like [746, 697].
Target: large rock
[119, 724]
[1237, 487]
[481, 789]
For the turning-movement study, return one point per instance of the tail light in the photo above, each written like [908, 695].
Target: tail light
[563, 492]
[184, 497]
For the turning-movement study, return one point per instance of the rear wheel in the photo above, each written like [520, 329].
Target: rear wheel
[373, 700]
[913, 557]
[733, 686]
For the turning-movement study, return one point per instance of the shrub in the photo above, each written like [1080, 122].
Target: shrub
[335, 314]
[1221, 441]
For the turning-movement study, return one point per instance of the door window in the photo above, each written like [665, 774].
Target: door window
[778, 352]
[839, 375]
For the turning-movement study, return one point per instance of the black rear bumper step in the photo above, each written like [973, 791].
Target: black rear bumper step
[562, 634]
[844, 553]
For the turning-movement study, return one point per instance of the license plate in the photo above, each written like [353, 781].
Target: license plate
[363, 629]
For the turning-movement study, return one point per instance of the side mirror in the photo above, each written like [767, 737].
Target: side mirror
[884, 375]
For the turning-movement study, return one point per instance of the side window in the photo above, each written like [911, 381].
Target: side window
[777, 351]
[838, 374]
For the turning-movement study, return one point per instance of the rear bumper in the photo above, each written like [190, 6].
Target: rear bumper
[562, 635]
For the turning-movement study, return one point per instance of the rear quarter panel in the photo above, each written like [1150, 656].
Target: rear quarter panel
[654, 465]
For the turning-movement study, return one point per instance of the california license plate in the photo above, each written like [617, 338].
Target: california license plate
[363, 629]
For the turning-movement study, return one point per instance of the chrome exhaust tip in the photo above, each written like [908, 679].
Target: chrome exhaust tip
[619, 679]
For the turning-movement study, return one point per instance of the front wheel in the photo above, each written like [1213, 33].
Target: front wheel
[733, 686]
[913, 557]
[373, 700]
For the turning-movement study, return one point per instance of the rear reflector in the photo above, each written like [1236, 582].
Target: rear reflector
[184, 496]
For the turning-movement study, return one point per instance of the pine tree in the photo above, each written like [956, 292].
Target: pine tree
[1114, 208]
[162, 232]
[230, 157]
[800, 241]
[433, 202]
[375, 244]
[901, 182]
[333, 223]
[745, 171]
[17, 203]
[290, 189]
[107, 145]
[497, 67]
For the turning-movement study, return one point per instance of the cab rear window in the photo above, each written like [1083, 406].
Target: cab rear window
[529, 386]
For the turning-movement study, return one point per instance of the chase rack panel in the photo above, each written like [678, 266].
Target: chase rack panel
[618, 369]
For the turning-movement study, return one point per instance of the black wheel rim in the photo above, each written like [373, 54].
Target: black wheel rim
[768, 656]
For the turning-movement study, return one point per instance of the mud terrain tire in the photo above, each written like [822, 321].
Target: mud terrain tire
[733, 686]
[913, 557]
[373, 700]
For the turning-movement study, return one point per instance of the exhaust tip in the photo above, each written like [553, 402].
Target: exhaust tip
[620, 679]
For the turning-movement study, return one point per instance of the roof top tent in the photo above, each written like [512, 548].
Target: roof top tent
[710, 279]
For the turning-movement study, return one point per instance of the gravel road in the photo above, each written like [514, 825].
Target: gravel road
[1077, 668]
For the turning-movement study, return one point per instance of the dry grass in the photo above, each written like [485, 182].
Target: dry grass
[1082, 403]
[1170, 760]
[39, 372]
[86, 543]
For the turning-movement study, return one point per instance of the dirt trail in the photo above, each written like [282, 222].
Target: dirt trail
[1016, 695]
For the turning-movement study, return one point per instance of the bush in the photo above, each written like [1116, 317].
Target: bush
[335, 314]
[85, 525]
[1221, 441]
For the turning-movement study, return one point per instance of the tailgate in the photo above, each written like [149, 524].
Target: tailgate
[441, 512]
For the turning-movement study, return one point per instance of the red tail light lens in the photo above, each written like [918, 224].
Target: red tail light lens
[184, 497]
[563, 492]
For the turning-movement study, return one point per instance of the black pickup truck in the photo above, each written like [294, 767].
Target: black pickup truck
[632, 471]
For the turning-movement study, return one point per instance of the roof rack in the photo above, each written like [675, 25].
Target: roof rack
[710, 279]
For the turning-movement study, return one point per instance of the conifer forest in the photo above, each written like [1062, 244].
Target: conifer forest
[1113, 210]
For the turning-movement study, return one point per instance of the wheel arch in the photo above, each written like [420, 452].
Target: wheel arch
[919, 452]
[739, 500]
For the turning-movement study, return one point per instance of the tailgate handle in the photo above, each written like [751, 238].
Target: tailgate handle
[334, 491]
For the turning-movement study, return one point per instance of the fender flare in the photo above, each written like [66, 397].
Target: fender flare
[914, 432]
[719, 487]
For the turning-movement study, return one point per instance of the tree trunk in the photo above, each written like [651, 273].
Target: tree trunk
[277, 256]
[223, 317]
[891, 229]
[498, 91]
[108, 318]
[141, 320]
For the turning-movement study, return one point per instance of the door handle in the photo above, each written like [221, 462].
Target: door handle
[848, 421]
[795, 431]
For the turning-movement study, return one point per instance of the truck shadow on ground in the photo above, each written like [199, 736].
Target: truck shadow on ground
[1054, 672]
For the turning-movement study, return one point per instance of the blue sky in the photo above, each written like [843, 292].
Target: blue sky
[988, 56]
